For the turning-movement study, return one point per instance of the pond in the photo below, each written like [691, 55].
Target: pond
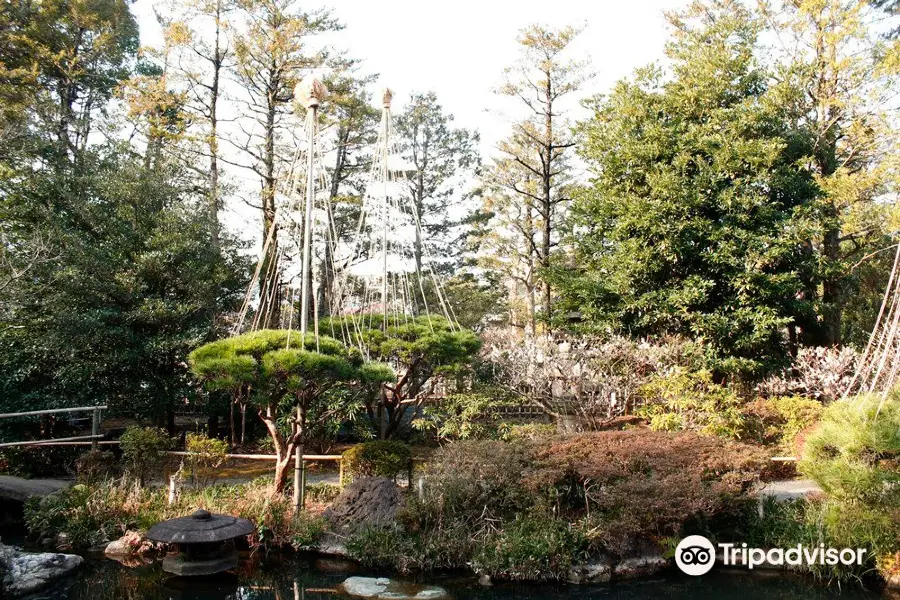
[302, 579]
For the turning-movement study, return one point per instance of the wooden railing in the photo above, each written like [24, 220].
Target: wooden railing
[92, 439]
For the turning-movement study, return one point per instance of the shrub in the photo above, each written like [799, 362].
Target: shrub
[406, 551]
[633, 485]
[143, 449]
[690, 400]
[588, 379]
[818, 372]
[463, 416]
[206, 454]
[529, 432]
[95, 466]
[779, 421]
[534, 547]
[89, 515]
[39, 461]
[470, 489]
[322, 493]
[854, 455]
[472, 482]
[378, 458]
[384, 548]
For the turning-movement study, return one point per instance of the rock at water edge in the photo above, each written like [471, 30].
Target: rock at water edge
[598, 571]
[27, 572]
[382, 588]
[637, 568]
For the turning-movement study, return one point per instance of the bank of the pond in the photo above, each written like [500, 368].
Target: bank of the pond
[525, 510]
[310, 578]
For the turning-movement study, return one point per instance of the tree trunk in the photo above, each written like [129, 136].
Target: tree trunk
[170, 421]
[213, 133]
[284, 448]
[243, 422]
[212, 426]
[420, 207]
[281, 472]
[531, 321]
[547, 199]
[268, 278]
[832, 288]
[231, 429]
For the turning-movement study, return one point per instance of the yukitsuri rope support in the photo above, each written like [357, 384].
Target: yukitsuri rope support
[879, 365]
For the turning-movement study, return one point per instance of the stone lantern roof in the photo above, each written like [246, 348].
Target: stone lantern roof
[201, 527]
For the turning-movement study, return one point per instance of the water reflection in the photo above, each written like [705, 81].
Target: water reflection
[308, 580]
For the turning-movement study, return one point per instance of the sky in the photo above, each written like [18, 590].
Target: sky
[459, 49]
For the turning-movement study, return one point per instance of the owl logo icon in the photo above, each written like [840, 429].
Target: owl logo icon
[695, 555]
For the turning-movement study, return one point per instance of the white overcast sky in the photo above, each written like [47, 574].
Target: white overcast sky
[459, 49]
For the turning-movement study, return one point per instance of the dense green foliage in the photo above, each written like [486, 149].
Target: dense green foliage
[465, 415]
[107, 276]
[295, 383]
[682, 399]
[206, 454]
[533, 547]
[378, 458]
[143, 450]
[694, 221]
[421, 350]
[854, 455]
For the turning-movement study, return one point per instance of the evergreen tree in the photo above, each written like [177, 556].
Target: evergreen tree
[696, 218]
[838, 87]
[440, 156]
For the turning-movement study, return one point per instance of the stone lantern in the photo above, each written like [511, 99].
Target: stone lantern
[205, 542]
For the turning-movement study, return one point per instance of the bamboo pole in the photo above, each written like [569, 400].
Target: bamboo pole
[309, 457]
[51, 411]
[48, 442]
[95, 429]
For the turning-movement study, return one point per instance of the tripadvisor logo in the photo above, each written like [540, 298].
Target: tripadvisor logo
[696, 555]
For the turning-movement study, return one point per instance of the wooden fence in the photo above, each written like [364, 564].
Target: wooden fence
[93, 439]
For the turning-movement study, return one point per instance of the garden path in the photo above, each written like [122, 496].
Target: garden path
[789, 489]
[17, 489]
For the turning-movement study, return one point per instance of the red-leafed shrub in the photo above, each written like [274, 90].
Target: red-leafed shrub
[637, 485]
[531, 508]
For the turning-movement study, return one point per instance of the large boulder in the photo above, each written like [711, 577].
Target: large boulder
[382, 588]
[367, 502]
[27, 572]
